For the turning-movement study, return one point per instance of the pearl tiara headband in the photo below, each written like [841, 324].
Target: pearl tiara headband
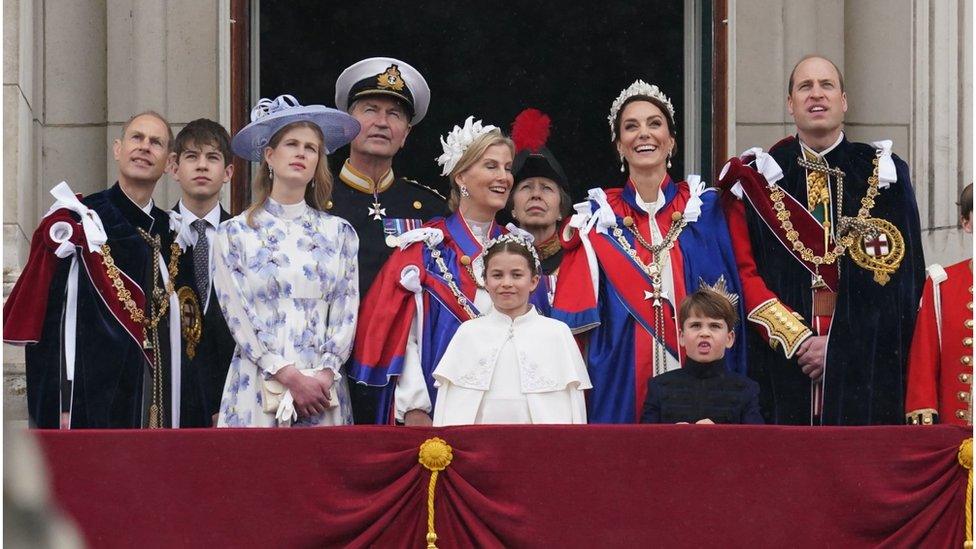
[639, 87]
[516, 238]
[458, 141]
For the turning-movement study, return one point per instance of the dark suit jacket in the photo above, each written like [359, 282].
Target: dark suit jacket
[208, 368]
[699, 391]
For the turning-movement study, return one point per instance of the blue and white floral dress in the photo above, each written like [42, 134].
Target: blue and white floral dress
[289, 289]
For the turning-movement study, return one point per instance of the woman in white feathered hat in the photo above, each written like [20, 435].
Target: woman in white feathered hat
[435, 281]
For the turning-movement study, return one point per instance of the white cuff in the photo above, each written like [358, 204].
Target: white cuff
[271, 363]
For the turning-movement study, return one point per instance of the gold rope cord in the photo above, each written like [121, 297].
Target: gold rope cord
[965, 458]
[435, 455]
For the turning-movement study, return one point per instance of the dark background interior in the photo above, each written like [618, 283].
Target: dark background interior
[490, 60]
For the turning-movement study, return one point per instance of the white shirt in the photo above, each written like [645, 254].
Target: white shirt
[213, 221]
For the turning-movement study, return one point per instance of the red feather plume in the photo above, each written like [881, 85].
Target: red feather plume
[530, 130]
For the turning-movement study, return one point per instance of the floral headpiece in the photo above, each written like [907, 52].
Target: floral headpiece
[521, 238]
[720, 288]
[458, 141]
[639, 87]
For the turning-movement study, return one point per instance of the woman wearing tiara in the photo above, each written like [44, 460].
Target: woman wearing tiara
[633, 253]
[435, 281]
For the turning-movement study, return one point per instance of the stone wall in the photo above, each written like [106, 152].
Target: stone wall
[75, 70]
[908, 71]
[73, 73]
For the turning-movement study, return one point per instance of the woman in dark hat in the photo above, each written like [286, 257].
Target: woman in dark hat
[633, 253]
[286, 274]
[540, 199]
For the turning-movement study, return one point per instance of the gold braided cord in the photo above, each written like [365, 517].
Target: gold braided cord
[965, 458]
[435, 455]
[431, 533]
[830, 256]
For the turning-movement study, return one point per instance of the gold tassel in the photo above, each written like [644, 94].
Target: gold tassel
[965, 458]
[435, 455]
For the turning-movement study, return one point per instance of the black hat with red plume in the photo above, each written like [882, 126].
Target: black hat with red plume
[530, 131]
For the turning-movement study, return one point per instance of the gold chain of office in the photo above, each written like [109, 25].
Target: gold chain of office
[858, 224]
[125, 297]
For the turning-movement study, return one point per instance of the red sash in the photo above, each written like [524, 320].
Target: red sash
[759, 194]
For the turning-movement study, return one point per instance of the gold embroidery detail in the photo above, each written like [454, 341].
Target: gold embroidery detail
[782, 326]
[924, 416]
[390, 80]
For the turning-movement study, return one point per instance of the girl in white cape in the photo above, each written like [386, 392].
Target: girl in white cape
[512, 365]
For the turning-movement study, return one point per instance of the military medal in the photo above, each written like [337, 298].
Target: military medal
[377, 211]
[394, 227]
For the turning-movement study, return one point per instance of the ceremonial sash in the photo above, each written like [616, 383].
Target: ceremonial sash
[759, 194]
[631, 282]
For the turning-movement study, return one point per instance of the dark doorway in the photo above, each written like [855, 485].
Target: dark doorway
[490, 60]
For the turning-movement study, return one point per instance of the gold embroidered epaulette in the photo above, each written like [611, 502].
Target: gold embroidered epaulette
[784, 327]
[431, 190]
[925, 416]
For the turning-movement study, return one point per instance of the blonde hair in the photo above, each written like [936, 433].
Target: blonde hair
[471, 155]
[317, 195]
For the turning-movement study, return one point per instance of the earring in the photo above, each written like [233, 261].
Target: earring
[669, 157]
[464, 191]
[515, 219]
[313, 183]
[622, 163]
[270, 173]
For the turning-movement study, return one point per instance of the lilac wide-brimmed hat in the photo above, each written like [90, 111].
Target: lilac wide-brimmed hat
[269, 116]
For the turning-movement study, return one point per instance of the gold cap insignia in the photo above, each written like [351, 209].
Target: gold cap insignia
[390, 80]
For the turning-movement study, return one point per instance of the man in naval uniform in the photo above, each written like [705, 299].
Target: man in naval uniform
[826, 234]
[388, 97]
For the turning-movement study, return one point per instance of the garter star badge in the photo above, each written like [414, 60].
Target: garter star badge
[879, 251]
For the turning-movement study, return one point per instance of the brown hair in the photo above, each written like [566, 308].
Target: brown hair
[654, 101]
[157, 116]
[317, 194]
[471, 155]
[710, 304]
[966, 203]
[840, 75]
[203, 131]
[511, 247]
